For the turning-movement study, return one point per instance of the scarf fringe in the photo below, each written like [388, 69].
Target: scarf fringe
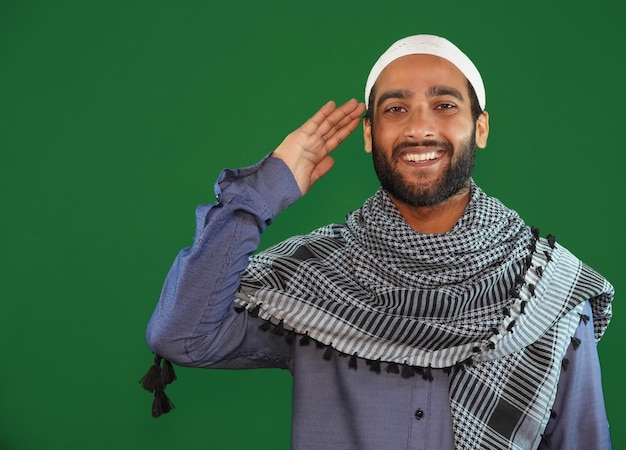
[158, 376]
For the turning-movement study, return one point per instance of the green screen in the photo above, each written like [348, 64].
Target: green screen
[117, 116]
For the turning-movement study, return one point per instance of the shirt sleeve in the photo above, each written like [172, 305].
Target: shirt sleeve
[194, 322]
[579, 420]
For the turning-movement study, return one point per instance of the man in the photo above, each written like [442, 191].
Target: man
[434, 318]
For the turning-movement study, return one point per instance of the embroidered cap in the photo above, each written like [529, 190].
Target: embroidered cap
[427, 44]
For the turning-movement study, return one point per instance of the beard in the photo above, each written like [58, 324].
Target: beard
[455, 176]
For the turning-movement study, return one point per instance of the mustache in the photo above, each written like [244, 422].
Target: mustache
[425, 143]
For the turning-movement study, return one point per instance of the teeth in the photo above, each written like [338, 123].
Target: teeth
[416, 157]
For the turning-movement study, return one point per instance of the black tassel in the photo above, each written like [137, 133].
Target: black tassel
[290, 338]
[519, 279]
[447, 370]
[319, 345]
[239, 309]
[352, 363]
[539, 271]
[576, 343]
[510, 326]
[536, 232]
[531, 289]
[584, 318]
[254, 312]
[155, 381]
[328, 353]
[305, 340]
[468, 362]
[150, 381]
[506, 311]
[279, 330]
[529, 261]
[392, 368]
[553, 414]
[551, 241]
[476, 349]
[491, 345]
[428, 374]
[547, 440]
[494, 331]
[514, 292]
[548, 256]
[374, 366]
[565, 363]
[161, 403]
[407, 371]
[265, 325]
[167, 373]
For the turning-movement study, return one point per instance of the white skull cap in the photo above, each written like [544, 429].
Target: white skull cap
[427, 44]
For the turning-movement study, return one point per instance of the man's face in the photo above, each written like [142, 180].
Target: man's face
[423, 136]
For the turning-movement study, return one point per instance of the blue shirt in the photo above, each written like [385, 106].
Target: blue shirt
[334, 406]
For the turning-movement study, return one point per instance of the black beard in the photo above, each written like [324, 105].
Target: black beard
[455, 176]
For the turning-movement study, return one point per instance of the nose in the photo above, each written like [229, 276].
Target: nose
[420, 124]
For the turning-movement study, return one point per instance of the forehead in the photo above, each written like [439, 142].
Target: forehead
[419, 73]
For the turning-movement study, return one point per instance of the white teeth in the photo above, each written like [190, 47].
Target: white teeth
[416, 157]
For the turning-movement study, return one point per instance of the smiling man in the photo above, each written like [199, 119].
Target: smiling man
[433, 318]
[424, 137]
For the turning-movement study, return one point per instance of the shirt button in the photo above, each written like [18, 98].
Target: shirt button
[419, 414]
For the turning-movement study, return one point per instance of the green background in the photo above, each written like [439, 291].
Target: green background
[117, 116]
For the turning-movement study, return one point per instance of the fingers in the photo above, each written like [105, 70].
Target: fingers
[342, 133]
[305, 151]
[312, 125]
[330, 120]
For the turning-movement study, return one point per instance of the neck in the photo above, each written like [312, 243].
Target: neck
[435, 219]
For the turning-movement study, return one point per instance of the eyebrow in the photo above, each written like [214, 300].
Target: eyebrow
[437, 91]
[402, 94]
[433, 91]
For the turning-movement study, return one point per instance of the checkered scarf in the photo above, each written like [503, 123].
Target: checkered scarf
[489, 301]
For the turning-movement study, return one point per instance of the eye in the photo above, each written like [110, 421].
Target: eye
[394, 109]
[446, 106]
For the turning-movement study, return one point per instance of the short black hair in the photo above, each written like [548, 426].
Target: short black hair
[474, 103]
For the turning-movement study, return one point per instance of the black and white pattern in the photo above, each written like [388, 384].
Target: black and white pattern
[489, 300]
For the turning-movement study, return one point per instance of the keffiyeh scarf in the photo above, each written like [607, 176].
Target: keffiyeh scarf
[490, 301]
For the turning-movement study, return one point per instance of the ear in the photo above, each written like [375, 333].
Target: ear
[367, 135]
[482, 130]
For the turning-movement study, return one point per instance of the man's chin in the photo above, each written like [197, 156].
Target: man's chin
[416, 198]
[425, 194]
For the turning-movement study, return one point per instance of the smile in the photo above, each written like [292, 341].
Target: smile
[421, 157]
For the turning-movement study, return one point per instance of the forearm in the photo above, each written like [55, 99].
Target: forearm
[194, 310]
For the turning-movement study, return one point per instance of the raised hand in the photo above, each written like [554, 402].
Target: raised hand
[306, 150]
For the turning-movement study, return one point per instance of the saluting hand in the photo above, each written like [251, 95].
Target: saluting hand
[306, 150]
